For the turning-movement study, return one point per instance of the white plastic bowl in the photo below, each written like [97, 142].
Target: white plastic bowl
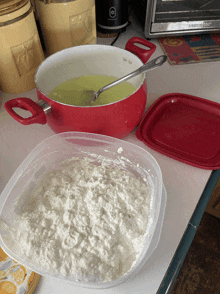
[49, 155]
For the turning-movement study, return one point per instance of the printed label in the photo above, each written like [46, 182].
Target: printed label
[82, 27]
[25, 55]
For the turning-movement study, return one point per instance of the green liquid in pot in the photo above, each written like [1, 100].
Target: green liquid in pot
[70, 92]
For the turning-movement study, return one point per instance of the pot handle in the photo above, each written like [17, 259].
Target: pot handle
[36, 108]
[143, 54]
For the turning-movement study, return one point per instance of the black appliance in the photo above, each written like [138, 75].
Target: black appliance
[111, 16]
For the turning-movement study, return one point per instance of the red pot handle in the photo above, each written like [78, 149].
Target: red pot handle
[38, 115]
[143, 54]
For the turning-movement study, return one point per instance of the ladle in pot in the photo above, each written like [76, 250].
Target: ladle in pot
[93, 95]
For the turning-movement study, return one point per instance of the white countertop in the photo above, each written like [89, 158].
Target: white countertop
[184, 183]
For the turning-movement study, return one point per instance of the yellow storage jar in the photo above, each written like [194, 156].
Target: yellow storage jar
[66, 23]
[20, 48]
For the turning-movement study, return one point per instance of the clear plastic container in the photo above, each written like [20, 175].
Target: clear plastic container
[49, 155]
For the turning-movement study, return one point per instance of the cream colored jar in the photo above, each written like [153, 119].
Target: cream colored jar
[20, 48]
[66, 23]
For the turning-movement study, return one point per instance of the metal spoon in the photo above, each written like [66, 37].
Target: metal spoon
[146, 67]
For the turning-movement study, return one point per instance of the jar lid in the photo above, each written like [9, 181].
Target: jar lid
[185, 128]
[9, 6]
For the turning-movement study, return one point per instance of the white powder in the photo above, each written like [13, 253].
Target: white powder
[120, 150]
[85, 221]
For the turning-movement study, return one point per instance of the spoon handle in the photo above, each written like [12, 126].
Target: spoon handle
[147, 66]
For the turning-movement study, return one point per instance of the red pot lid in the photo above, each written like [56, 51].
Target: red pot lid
[184, 127]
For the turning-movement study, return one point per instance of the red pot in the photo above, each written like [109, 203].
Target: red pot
[117, 119]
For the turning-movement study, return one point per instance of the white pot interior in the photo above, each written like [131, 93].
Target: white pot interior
[86, 60]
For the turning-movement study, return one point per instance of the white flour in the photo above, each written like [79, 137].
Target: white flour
[86, 221]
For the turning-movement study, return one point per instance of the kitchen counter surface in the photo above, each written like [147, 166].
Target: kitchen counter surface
[184, 184]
